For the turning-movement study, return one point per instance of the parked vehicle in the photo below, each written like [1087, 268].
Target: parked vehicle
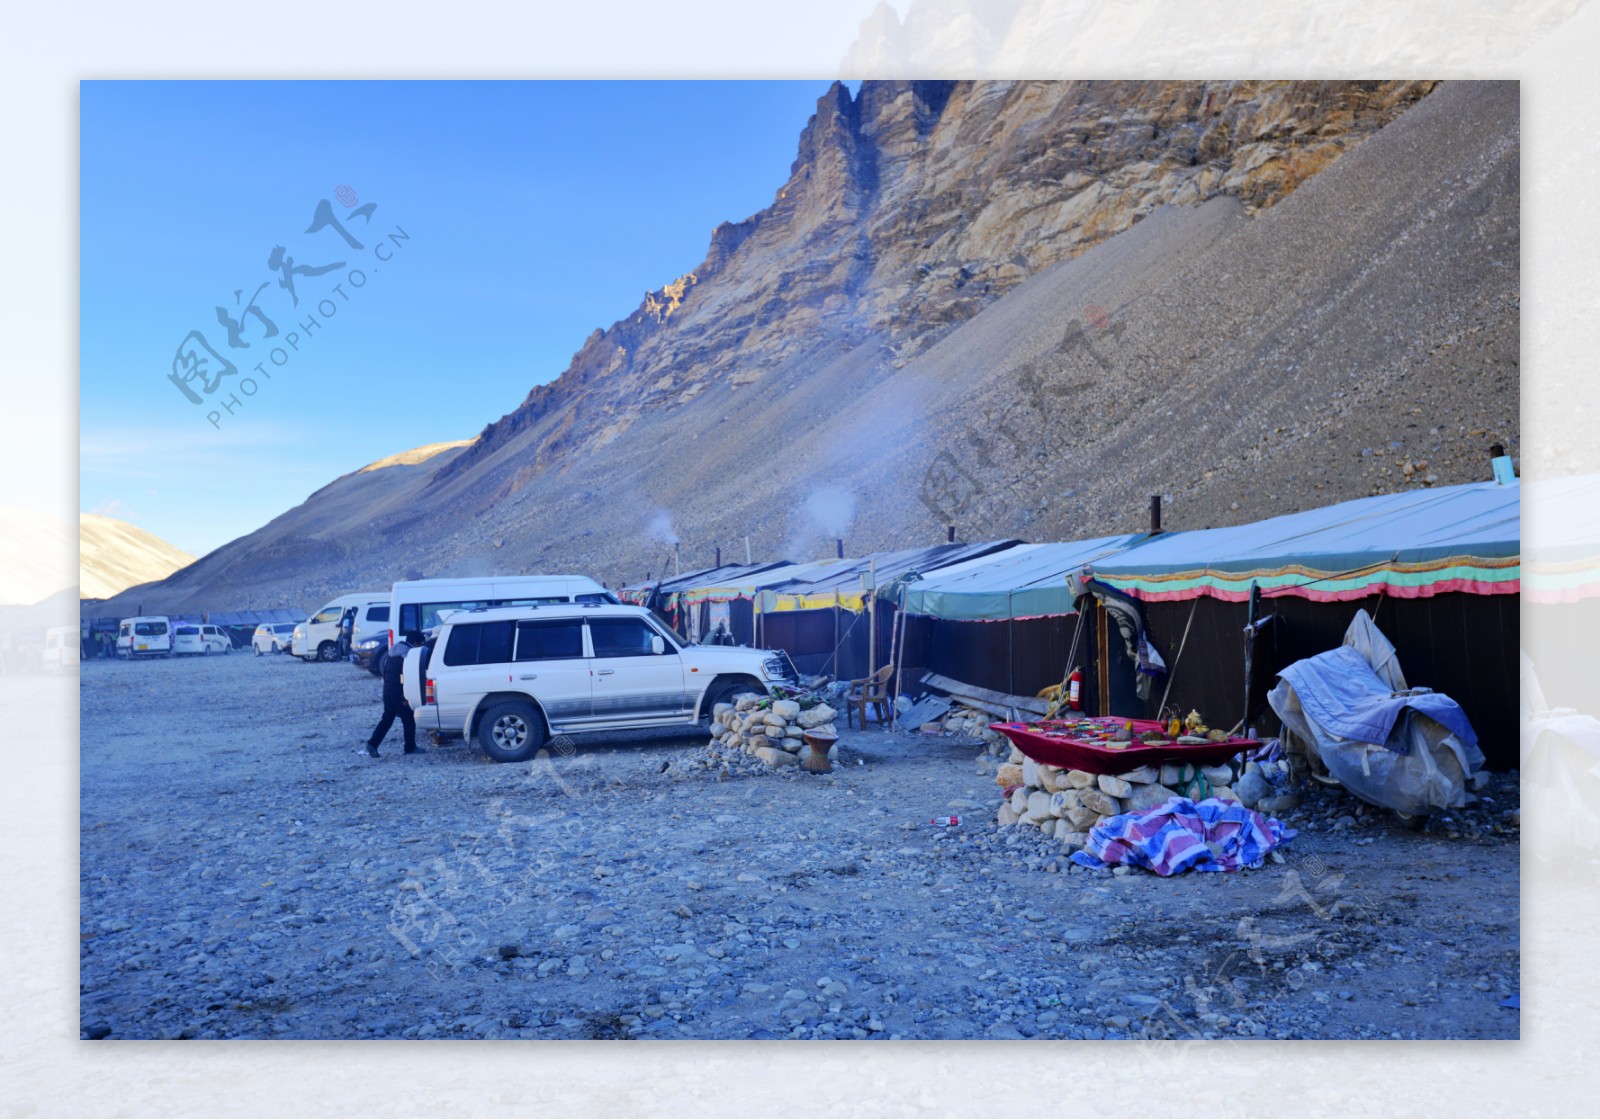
[509, 677]
[419, 604]
[61, 648]
[272, 637]
[317, 638]
[145, 636]
[200, 639]
[371, 623]
[372, 653]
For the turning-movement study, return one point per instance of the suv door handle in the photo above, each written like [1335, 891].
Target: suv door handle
[528, 677]
[604, 672]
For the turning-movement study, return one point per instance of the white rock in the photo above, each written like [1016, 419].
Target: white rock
[1149, 797]
[746, 703]
[1058, 804]
[1030, 773]
[1038, 810]
[1224, 793]
[1019, 799]
[788, 709]
[790, 743]
[1142, 776]
[1016, 755]
[1252, 787]
[1080, 779]
[1006, 817]
[720, 710]
[817, 716]
[1218, 775]
[1101, 802]
[757, 742]
[1071, 841]
[774, 757]
[1116, 787]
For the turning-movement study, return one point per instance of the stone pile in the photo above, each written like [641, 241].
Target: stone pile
[1066, 804]
[970, 723]
[771, 729]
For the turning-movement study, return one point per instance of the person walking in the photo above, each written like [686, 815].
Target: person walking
[394, 699]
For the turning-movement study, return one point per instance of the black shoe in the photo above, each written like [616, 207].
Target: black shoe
[372, 751]
[416, 750]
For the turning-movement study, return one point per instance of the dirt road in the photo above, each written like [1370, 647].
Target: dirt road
[246, 872]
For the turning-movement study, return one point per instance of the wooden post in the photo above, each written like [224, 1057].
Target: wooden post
[747, 550]
[718, 564]
[838, 544]
[872, 615]
[1155, 513]
[677, 568]
[950, 534]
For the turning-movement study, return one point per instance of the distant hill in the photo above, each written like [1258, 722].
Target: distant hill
[1016, 307]
[114, 556]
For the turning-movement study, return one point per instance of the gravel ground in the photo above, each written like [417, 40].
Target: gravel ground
[246, 872]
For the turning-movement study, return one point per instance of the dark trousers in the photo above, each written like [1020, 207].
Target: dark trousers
[408, 723]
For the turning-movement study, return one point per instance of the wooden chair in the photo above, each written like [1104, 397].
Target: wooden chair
[873, 690]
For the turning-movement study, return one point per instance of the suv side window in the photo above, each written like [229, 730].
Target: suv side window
[555, 639]
[330, 615]
[479, 643]
[621, 637]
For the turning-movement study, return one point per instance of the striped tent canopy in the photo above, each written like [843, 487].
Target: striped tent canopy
[1023, 581]
[839, 583]
[1412, 545]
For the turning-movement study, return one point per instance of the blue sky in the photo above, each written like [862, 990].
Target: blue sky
[533, 212]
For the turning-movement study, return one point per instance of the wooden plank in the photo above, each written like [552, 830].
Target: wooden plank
[997, 704]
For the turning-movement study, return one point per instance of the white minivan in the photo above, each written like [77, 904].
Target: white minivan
[419, 604]
[201, 638]
[317, 638]
[145, 636]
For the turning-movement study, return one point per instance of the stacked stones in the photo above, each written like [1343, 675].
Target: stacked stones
[973, 724]
[771, 729]
[1066, 804]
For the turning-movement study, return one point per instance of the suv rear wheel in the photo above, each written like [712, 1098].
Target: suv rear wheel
[511, 731]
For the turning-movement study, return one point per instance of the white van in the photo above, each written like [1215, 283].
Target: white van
[200, 638]
[145, 636]
[317, 638]
[61, 647]
[417, 604]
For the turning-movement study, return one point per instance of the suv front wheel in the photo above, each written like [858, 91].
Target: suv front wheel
[511, 731]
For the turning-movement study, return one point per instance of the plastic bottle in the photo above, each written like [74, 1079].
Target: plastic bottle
[949, 822]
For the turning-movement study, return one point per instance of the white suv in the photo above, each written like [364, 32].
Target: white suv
[511, 676]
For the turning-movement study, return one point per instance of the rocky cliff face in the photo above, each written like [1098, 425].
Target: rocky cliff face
[1016, 307]
[913, 205]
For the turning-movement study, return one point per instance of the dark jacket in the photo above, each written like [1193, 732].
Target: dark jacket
[393, 692]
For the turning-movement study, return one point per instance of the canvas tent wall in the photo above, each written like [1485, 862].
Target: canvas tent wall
[1438, 569]
[1004, 622]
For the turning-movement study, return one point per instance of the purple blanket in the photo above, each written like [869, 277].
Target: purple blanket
[1181, 835]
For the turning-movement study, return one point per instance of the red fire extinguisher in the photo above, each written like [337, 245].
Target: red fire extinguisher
[1075, 690]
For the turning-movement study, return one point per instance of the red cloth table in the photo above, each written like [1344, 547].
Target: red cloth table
[1066, 744]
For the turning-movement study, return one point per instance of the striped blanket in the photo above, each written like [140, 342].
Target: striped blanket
[1184, 835]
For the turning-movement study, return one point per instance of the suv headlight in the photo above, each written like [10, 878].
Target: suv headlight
[774, 668]
[370, 643]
